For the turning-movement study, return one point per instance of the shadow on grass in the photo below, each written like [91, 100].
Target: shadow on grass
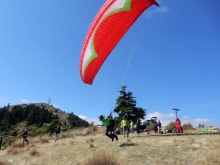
[127, 144]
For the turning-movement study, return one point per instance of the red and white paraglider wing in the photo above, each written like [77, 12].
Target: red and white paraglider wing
[110, 24]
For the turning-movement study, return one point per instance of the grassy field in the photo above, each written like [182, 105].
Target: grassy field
[82, 148]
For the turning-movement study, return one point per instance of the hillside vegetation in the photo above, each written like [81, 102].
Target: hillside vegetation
[40, 118]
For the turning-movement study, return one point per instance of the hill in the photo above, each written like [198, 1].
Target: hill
[62, 115]
[40, 117]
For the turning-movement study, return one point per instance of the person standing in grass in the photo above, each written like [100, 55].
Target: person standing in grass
[157, 127]
[111, 125]
[138, 126]
[124, 126]
[0, 142]
[57, 133]
[131, 126]
[178, 125]
[24, 137]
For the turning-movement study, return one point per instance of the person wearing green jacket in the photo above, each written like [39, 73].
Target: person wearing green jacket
[110, 126]
[125, 126]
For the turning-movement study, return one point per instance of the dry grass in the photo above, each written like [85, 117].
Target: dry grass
[141, 150]
[2, 163]
[67, 135]
[43, 140]
[71, 142]
[12, 151]
[16, 145]
[34, 152]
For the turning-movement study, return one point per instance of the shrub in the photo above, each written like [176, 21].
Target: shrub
[91, 145]
[102, 159]
[170, 126]
[187, 126]
[150, 127]
[34, 152]
[2, 163]
[14, 133]
[8, 142]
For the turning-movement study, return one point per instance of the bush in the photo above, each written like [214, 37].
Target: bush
[150, 127]
[170, 126]
[14, 133]
[102, 159]
[2, 163]
[8, 142]
[187, 126]
[34, 152]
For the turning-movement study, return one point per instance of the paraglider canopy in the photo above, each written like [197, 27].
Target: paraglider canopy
[109, 26]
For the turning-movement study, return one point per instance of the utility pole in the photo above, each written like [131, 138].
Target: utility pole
[49, 101]
[176, 109]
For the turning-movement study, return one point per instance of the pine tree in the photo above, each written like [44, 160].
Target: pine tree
[126, 106]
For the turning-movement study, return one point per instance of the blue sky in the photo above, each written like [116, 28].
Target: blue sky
[169, 59]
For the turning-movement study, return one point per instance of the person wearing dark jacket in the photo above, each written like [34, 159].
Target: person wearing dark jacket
[111, 125]
[0, 142]
[24, 136]
[156, 126]
[57, 133]
[138, 126]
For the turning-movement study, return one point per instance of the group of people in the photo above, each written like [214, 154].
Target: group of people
[112, 127]
[25, 135]
[128, 126]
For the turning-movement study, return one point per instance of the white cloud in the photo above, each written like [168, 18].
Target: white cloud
[185, 117]
[167, 118]
[90, 120]
[160, 116]
[83, 117]
[25, 101]
[196, 122]
[36, 101]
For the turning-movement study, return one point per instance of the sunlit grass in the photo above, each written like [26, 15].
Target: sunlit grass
[80, 148]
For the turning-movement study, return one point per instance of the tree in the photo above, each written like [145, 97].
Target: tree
[170, 126]
[188, 126]
[126, 106]
[75, 121]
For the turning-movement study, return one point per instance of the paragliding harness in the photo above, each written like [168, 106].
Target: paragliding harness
[111, 128]
[113, 123]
